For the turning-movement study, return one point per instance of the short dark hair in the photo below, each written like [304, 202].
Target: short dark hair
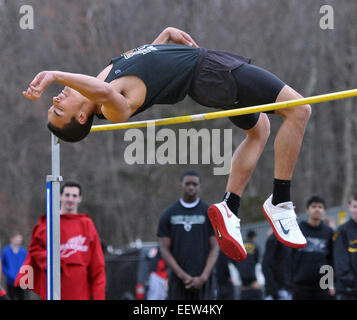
[72, 184]
[72, 131]
[190, 172]
[15, 233]
[316, 199]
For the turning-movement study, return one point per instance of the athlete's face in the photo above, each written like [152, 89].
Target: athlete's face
[353, 209]
[70, 200]
[316, 211]
[190, 186]
[66, 105]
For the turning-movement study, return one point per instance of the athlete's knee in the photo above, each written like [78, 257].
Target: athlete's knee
[297, 114]
[306, 110]
[265, 125]
[261, 130]
[300, 114]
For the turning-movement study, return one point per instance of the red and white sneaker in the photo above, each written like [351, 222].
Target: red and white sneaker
[227, 229]
[282, 218]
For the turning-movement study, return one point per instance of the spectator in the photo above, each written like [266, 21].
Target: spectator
[82, 259]
[306, 262]
[276, 269]
[188, 244]
[12, 259]
[3, 295]
[250, 289]
[225, 289]
[345, 255]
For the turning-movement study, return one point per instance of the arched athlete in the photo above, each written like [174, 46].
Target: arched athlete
[164, 73]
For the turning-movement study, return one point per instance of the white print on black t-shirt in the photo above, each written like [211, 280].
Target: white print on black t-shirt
[140, 50]
[73, 245]
[188, 220]
[315, 245]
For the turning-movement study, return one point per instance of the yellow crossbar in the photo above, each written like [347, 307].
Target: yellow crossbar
[228, 113]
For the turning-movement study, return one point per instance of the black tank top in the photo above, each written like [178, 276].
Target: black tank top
[166, 70]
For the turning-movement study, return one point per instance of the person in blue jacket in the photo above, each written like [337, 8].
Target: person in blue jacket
[12, 259]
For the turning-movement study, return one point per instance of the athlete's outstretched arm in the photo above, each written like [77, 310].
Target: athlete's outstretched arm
[115, 107]
[176, 36]
[90, 87]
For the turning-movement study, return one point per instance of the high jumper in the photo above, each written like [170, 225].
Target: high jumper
[164, 72]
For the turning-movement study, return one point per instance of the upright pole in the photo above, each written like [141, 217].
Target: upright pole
[53, 224]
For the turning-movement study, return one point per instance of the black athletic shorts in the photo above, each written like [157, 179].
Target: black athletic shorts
[256, 86]
[228, 81]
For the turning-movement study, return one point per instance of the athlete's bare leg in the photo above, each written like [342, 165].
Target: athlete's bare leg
[223, 216]
[278, 208]
[290, 135]
[286, 146]
[246, 156]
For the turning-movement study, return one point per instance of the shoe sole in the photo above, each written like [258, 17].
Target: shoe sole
[227, 243]
[287, 243]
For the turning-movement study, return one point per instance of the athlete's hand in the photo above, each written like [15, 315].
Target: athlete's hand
[39, 84]
[180, 37]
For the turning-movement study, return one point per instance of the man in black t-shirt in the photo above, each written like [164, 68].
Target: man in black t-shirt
[188, 244]
[306, 262]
